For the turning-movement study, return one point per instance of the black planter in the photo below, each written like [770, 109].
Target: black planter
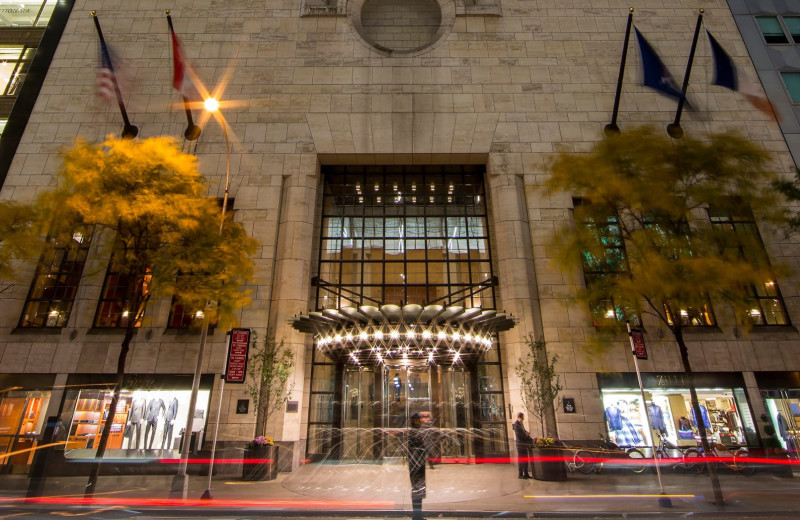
[260, 463]
[553, 469]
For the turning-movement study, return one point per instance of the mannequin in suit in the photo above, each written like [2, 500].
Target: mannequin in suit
[169, 421]
[154, 408]
[135, 416]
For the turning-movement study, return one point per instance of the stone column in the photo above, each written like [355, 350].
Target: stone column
[513, 258]
[291, 288]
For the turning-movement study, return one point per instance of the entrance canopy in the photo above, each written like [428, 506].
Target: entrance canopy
[412, 333]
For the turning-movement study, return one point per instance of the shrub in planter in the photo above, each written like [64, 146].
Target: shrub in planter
[260, 459]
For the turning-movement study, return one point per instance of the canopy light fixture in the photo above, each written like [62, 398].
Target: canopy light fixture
[407, 334]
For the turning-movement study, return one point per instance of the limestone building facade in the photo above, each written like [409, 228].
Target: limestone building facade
[389, 153]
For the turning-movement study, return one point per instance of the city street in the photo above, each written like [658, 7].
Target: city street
[382, 491]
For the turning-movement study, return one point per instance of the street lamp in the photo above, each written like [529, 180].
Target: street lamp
[180, 483]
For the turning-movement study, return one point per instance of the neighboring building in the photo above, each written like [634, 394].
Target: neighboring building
[387, 154]
[29, 35]
[771, 31]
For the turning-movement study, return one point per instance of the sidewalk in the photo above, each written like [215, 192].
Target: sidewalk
[453, 490]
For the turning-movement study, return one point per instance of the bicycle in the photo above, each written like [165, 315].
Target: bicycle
[588, 460]
[687, 460]
[730, 459]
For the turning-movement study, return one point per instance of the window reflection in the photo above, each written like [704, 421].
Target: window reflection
[25, 14]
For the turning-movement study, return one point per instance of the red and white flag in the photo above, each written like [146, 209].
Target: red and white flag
[181, 77]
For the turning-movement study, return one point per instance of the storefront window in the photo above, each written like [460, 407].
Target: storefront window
[21, 420]
[784, 412]
[146, 422]
[724, 415]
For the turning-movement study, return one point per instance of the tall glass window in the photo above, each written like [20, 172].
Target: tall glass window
[406, 235]
[607, 262]
[52, 292]
[767, 303]
[400, 235]
[119, 293]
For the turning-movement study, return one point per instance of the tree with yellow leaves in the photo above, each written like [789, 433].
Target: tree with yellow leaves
[667, 228]
[146, 204]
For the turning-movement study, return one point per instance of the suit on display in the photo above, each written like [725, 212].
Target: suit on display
[656, 415]
[155, 408]
[169, 421]
[135, 416]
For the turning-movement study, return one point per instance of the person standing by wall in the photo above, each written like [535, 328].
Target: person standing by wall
[524, 444]
[417, 459]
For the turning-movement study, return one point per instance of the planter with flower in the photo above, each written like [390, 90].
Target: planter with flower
[260, 461]
[548, 459]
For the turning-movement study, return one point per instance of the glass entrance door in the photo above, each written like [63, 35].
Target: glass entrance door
[454, 417]
[359, 433]
[406, 392]
[441, 395]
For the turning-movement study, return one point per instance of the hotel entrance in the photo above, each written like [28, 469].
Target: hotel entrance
[405, 319]
[376, 418]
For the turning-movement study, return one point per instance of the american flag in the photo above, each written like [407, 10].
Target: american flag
[106, 80]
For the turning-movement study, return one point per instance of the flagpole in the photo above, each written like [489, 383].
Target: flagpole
[674, 129]
[192, 130]
[612, 126]
[129, 131]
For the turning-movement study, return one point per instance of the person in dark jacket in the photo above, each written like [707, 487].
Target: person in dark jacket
[524, 445]
[417, 459]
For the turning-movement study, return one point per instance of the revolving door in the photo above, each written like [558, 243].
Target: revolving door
[379, 401]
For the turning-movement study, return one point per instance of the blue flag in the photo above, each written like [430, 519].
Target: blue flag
[724, 69]
[654, 74]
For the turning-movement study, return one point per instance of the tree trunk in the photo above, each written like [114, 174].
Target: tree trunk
[698, 417]
[261, 409]
[549, 424]
[101, 446]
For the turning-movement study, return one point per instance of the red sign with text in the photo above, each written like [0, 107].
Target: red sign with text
[638, 344]
[236, 367]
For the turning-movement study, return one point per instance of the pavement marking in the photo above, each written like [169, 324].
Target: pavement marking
[611, 496]
[85, 513]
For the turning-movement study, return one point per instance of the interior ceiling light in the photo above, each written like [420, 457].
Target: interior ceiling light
[393, 333]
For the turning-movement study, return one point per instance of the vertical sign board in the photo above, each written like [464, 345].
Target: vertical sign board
[637, 338]
[236, 367]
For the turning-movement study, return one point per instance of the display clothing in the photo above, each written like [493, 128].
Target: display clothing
[656, 415]
[704, 413]
[135, 416]
[136, 413]
[524, 445]
[154, 408]
[614, 418]
[169, 418]
[627, 435]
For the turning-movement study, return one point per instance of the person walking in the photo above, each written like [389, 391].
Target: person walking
[524, 445]
[417, 460]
